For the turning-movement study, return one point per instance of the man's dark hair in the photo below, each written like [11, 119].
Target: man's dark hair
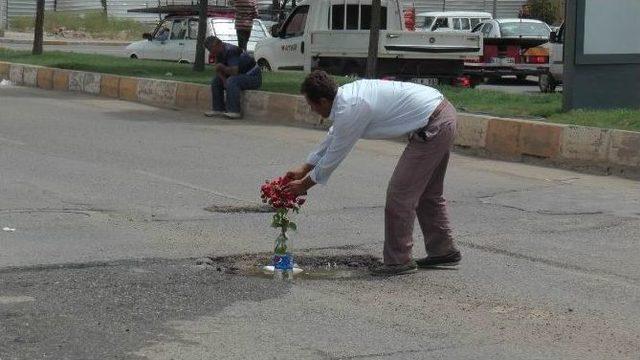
[318, 85]
[210, 41]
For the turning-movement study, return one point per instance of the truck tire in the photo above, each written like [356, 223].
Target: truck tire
[547, 83]
[264, 65]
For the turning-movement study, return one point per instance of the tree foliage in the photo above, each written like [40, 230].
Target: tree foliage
[549, 11]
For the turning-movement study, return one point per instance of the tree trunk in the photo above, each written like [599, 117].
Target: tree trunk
[374, 36]
[198, 65]
[39, 28]
[275, 8]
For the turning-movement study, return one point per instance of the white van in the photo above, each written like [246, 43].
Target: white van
[450, 20]
[179, 43]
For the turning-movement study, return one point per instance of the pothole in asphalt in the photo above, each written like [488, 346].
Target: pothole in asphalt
[240, 209]
[315, 265]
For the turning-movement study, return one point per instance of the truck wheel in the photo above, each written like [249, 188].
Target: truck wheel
[546, 83]
[264, 65]
[134, 56]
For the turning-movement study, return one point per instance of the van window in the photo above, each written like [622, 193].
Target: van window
[474, 22]
[441, 22]
[464, 24]
[193, 29]
[337, 17]
[456, 24]
[296, 23]
[179, 29]
[352, 17]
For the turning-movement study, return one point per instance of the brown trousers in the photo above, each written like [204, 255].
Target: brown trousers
[415, 190]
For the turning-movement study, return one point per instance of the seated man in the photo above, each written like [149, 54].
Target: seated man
[235, 71]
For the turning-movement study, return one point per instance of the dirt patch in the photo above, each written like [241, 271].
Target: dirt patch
[317, 264]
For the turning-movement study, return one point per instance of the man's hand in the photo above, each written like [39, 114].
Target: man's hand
[299, 187]
[299, 172]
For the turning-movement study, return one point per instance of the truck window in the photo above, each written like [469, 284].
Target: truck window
[428, 21]
[337, 17]
[486, 30]
[474, 23]
[456, 24]
[441, 22]
[296, 23]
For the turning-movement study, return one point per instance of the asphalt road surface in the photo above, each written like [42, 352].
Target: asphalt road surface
[108, 198]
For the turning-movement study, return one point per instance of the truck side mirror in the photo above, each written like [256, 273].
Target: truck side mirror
[275, 30]
[147, 36]
[553, 37]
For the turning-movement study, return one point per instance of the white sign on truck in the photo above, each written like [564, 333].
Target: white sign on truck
[333, 35]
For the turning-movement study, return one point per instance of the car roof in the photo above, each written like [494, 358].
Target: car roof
[455, 13]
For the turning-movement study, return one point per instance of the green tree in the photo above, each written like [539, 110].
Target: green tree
[545, 10]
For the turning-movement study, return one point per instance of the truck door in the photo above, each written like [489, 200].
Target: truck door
[292, 46]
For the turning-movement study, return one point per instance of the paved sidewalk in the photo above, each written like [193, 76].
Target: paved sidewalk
[11, 37]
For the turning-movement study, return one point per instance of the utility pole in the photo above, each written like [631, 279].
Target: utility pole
[38, 33]
[374, 37]
[198, 65]
[495, 9]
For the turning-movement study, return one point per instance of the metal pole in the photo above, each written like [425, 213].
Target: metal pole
[444, 5]
[495, 9]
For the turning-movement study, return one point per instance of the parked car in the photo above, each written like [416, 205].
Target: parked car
[180, 43]
[450, 20]
[333, 35]
[511, 47]
[551, 79]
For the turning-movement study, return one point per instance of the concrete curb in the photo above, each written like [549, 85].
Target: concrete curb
[65, 42]
[613, 151]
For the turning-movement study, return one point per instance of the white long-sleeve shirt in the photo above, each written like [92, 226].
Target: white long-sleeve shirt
[371, 109]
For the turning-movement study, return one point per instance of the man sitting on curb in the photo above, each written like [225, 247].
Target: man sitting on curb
[235, 71]
[379, 109]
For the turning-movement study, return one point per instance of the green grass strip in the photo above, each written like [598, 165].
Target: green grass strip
[545, 107]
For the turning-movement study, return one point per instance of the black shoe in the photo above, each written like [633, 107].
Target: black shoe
[451, 259]
[390, 270]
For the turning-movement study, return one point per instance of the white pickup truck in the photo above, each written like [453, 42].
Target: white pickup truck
[320, 34]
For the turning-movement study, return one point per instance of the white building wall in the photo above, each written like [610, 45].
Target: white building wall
[26, 7]
[505, 8]
[78, 5]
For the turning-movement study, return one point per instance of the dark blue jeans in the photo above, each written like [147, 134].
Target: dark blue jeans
[235, 85]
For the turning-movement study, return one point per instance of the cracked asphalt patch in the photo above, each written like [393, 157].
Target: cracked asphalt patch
[112, 311]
